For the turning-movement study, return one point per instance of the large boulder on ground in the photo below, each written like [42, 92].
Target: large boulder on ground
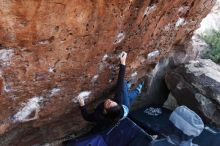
[53, 50]
[197, 85]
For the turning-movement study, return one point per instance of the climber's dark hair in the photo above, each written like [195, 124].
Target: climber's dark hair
[115, 113]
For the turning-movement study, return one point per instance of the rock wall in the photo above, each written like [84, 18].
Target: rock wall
[197, 85]
[53, 50]
[208, 24]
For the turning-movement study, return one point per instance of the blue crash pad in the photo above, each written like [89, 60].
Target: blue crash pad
[126, 133]
[96, 140]
[158, 125]
[208, 138]
[161, 126]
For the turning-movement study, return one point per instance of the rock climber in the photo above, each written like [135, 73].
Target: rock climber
[110, 111]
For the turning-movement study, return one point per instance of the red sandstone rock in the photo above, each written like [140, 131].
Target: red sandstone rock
[51, 50]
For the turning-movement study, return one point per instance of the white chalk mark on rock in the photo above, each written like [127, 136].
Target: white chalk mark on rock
[51, 69]
[44, 42]
[183, 9]
[5, 56]
[153, 55]
[149, 10]
[83, 94]
[7, 88]
[120, 37]
[168, 27]
[180, 22]
[105, 57]
[134, 74]
[103, 63]
[54, 91]
[32, 105]
[94, 79]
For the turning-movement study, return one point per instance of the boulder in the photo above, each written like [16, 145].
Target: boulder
[197, 85]
[53, 50]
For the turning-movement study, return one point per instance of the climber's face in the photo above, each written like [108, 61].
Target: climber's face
[109, 104]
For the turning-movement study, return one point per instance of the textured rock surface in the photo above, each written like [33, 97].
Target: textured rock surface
[208, 24]
[197, 85]
[51, 50]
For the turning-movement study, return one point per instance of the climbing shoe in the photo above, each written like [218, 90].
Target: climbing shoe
[129, 85]
[140, 86]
